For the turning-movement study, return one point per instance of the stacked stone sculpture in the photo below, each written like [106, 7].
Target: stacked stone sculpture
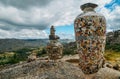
[54, 47]
[90, 32]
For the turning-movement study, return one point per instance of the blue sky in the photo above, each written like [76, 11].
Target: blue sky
[31, 19]
[112, 4]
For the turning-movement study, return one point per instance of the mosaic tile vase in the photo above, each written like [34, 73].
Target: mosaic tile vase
[90, 33]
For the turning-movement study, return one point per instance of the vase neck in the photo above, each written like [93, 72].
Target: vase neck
[88, 9]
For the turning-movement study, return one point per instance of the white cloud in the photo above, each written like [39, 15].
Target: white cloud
[24, 34]
[115, 20]
[112, 17]
[25, 15]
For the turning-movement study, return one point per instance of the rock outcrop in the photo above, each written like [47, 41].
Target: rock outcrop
[113, 37]
[40, 69]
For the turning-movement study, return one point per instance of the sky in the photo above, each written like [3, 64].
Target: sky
[31, 19]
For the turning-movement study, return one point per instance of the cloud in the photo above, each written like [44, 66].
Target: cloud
[24, 34]
[54, 12]
[19, 15]
[25, 4]
[20, 19]
[114, 21]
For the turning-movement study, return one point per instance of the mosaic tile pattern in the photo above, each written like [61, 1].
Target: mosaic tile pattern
[90, 37]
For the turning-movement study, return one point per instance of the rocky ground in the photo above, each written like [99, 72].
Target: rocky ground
[41, 69]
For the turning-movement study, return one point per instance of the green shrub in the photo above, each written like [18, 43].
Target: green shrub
[114, 47]
[20, 55]
[42, 52]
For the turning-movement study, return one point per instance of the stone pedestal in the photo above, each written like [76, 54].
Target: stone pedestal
[54, 50]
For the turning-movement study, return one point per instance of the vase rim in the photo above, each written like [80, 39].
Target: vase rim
[87, 5]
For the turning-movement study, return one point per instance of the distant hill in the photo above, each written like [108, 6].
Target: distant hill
[15, 44]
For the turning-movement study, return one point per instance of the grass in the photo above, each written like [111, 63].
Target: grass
[112, 56]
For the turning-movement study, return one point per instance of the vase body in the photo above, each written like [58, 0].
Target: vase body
[90, 33]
